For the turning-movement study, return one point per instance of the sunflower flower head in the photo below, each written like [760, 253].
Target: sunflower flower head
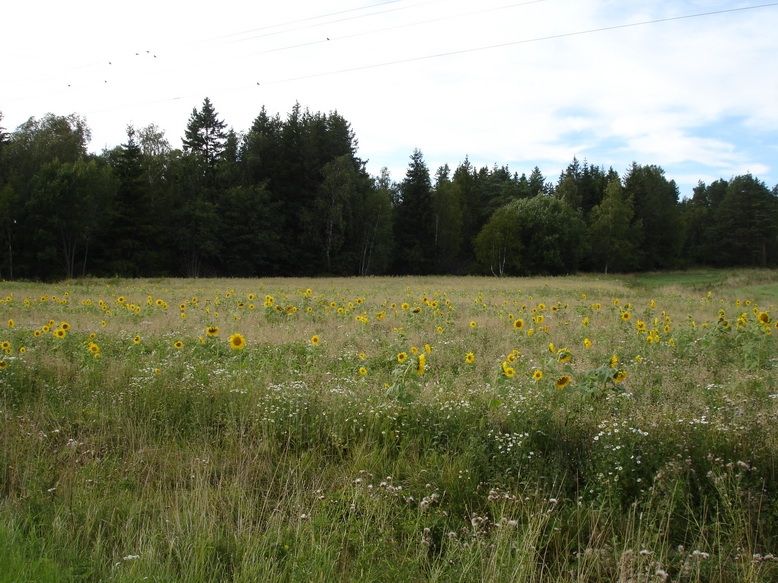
[237, 341]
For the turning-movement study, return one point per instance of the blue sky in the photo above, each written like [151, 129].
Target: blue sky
[689, 86]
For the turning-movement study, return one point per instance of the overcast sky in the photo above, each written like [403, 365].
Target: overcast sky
[691, 86]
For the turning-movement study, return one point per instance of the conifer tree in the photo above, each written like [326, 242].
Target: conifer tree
[205, 134]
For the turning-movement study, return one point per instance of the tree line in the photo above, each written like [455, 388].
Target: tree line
[291, 197]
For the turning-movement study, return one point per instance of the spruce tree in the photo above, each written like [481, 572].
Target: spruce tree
[205, 134]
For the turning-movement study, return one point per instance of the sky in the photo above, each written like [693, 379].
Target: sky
[691, 86]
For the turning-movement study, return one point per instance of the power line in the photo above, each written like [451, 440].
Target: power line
[519, 42]
[452, 53]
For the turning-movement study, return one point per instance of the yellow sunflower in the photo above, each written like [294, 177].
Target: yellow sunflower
[237, 341]
[421, 364]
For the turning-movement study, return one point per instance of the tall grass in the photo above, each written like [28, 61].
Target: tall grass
[299, 461]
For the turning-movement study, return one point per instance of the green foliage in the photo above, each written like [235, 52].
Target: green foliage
[611, 232]
[165, 211]
[657, 226]
[529, 236]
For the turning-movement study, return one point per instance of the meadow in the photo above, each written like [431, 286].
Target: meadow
[390, 429]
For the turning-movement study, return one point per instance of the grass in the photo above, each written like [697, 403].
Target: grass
[295, 460]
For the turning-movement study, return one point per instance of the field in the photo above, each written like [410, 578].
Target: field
[391, 429]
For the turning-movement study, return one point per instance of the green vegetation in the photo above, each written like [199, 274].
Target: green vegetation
[291, 197]
[407, 429]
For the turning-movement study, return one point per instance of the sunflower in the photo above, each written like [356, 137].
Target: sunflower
[361, 356]
[405, 306]
[402, 357]
[3, 364]
[508, 371]
[178, 345]
[136, 340]
[421, 364]
[473, 324]
[440, 329]
[537, 375]
[36, 333]
[11, 323]
[641, 326]
[614, 361]
[562, 382]
[587, 343]
[518, 324]
[763, 317]
[428, 349]
[60, 333]
[212, 331]
[564, 355]
[5, 345]
[619, 376]
[469, 358]
[237, 341]
[94, 348]
[362, 370]
[315, 340]
[626, 316]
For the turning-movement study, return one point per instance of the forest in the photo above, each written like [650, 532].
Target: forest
[291, 197]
